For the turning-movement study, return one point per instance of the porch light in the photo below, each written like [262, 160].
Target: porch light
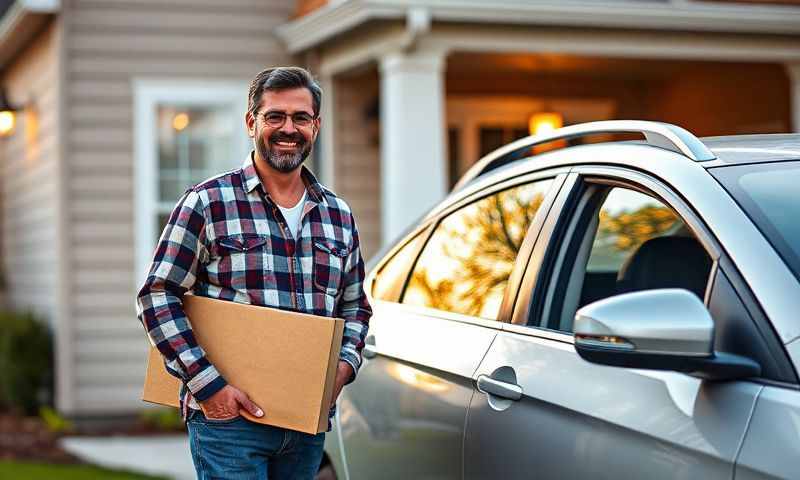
[180, 121]
[8, 116]
[545, 122]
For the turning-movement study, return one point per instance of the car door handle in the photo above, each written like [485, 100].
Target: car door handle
[489, 385]
[369, 350]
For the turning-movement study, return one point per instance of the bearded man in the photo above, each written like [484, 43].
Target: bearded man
[266, 234]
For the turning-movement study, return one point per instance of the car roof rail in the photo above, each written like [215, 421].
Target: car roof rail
[658, 134]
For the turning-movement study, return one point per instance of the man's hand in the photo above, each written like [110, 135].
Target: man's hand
[343, 374]
[228, 403]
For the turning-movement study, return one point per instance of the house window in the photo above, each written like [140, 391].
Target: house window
[185, 132]
[485, 123]
[493, 137]
[193, 144]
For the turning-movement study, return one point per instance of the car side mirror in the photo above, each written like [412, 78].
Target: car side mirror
[664, 329]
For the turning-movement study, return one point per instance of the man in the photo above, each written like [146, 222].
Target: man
[267, 234]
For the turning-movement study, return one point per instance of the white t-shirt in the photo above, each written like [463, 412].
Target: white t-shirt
[293, 215]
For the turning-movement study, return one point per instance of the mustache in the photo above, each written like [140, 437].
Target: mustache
[283, 137]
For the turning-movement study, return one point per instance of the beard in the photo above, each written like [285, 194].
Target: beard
[284, 162]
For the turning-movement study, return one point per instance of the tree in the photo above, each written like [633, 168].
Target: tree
[627, 230]
[467, 263]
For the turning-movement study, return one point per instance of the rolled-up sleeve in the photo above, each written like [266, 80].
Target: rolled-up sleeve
[180, 252]
[354, 307]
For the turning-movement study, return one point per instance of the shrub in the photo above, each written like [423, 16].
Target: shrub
[26, 363]
[54, 421]
[162, 418]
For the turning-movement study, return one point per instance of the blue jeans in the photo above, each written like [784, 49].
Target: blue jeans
[240, 449]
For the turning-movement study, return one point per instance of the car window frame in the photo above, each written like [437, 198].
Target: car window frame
[592, 186]
[548, 245]
[423, 232]
[494, 185]
[746, 302]
[568, 197]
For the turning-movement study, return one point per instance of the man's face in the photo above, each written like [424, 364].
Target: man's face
[286, 146]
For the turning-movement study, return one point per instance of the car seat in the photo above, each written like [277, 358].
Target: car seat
[666, 262]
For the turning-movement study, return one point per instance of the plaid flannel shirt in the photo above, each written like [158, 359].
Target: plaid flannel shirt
[227, 239]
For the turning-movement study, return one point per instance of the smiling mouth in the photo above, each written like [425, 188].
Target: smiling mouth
[286, 144]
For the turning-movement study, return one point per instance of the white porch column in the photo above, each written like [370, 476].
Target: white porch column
[794, 87]
[413, 168]
[327, 160]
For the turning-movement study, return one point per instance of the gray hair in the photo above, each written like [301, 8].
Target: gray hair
[283, 78]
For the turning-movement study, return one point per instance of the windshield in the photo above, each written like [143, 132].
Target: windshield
[770, 194]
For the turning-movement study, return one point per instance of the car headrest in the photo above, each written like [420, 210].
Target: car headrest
[666, 262]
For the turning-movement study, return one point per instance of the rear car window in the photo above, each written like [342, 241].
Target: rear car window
[770, 195]
[466, 264]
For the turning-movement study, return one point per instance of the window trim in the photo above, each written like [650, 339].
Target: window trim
[543, 256]
[148, 94]
[721, 263]
[442, 314]
[666, 196]
[422, 233]
[590, 188]
[557, 176]
[541, 333]
[769, 335]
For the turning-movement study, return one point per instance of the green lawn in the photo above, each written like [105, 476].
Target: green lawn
[41, 471]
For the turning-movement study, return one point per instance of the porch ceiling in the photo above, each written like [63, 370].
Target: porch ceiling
[545, 64]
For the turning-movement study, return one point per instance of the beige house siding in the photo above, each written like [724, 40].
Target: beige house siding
[357, 154]
[30, 159]
[109, 44]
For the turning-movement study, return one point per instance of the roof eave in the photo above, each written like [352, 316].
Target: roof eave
[339, 17]
[21, 23]
[331, 20]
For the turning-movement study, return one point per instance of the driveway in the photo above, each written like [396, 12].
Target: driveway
[166, 455]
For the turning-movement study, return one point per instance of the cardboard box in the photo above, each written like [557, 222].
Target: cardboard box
[285, 361]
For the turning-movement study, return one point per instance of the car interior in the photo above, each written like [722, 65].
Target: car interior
[622, 241]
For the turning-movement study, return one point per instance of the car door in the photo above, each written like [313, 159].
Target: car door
[543, 412]
[434, 319]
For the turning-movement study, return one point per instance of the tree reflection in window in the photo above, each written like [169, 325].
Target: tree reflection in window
[628, 219]
[465, 266]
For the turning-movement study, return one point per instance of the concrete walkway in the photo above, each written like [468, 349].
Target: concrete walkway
[157, 455]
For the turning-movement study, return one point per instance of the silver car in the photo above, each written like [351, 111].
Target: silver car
[621, 310]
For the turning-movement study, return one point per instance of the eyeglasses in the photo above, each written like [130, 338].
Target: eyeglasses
[278, 119]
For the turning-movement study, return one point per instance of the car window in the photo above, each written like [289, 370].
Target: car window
[465, 266]
[768, 193]
[627, 219]
[625, 241]
[392, 275]
[744, 331]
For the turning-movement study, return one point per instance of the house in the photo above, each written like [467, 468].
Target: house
[123, 103]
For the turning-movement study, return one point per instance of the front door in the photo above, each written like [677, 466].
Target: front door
[546, 413]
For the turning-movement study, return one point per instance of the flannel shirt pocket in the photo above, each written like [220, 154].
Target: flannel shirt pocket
[240, 243]
[241, 259]
[329, 262]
